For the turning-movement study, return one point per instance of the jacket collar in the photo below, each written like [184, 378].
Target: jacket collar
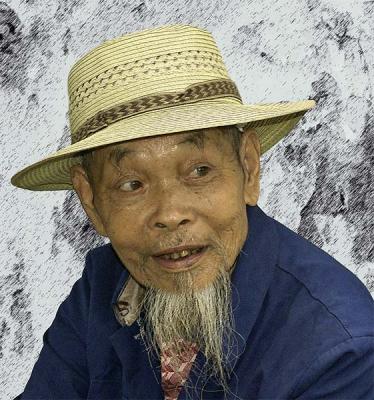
[250, 280]
[253, 274]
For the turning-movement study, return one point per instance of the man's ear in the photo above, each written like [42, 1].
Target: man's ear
[250, 157]
[85, 193]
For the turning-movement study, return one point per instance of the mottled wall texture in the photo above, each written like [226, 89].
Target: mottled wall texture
[318, 181]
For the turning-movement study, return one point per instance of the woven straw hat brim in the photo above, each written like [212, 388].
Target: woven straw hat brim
[272, 121]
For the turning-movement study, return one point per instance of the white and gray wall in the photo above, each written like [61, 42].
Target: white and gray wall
[318, 181]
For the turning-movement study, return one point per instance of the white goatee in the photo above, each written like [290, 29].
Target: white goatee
[203, 317]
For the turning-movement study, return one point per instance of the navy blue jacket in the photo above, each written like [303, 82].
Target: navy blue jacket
[306, 321]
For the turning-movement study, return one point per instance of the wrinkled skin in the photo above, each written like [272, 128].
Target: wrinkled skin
[168, 195]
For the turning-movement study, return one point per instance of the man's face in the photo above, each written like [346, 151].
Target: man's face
[157, 193]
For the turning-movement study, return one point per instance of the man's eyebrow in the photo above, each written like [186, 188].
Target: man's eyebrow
[195, 138]
[118, 153]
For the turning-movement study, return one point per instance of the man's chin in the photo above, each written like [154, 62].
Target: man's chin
[196, 314]
[179, 283]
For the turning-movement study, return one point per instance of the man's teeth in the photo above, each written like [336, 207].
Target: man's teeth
[183, 253]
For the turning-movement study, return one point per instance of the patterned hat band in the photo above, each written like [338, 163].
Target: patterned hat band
[212, 89]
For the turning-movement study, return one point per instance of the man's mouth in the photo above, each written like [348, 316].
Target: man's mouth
[180, 259]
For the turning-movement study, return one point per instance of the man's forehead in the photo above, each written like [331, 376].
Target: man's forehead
[196, 138]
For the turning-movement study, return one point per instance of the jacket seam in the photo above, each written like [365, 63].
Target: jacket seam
[317, 299]
[88, 262]
[312, 363]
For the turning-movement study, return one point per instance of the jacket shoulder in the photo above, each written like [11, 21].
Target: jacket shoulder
[102, 262]
[326, 281]
[103, 250]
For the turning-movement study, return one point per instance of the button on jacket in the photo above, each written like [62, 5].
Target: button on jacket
[304, 323]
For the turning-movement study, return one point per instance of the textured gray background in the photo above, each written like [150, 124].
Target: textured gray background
[318, 181]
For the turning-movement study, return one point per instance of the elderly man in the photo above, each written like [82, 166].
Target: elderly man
[199, 293]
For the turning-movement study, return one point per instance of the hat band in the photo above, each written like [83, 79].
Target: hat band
[211, 89]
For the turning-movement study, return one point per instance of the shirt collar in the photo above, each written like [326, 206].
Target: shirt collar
[250, 277]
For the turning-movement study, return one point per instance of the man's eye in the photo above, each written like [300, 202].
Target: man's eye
[130, 186]
[202, 170]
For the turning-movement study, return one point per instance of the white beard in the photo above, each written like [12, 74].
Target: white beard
[203, 317]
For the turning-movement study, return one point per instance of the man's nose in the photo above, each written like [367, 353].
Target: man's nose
[171, 224]
[171, 209]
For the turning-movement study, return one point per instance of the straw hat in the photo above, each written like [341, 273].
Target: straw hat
[154, 82]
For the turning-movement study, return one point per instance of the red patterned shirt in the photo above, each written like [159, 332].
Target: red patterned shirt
[175, 370]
